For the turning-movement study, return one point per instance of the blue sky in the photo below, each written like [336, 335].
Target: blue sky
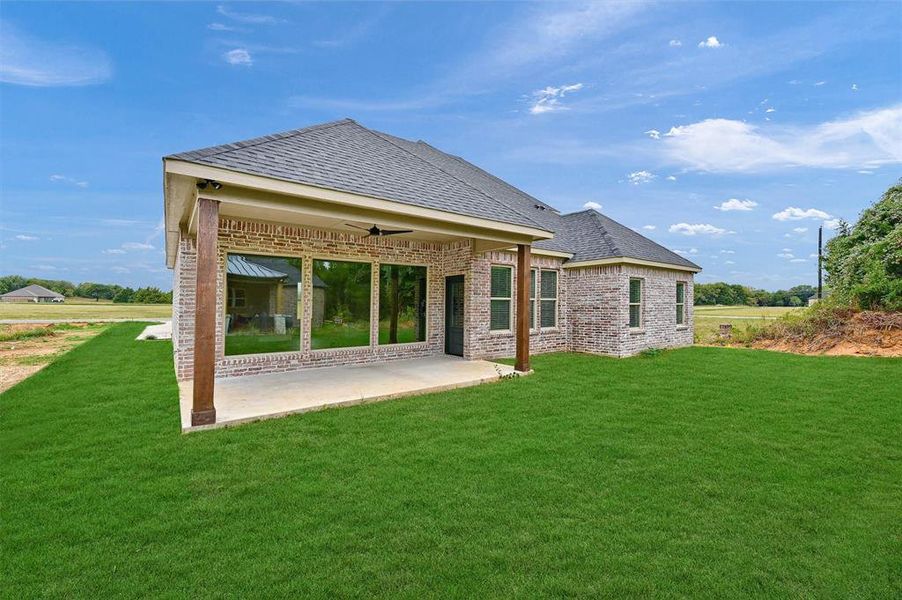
[727, 132]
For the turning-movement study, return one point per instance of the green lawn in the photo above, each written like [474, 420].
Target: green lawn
[702, 472]
[709, 318]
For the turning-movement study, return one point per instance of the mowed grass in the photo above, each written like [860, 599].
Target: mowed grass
[74, 311]
[709, 318]
[702, 472]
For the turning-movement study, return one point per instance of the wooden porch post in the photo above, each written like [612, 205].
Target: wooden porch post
[203, 412]
[523, 266]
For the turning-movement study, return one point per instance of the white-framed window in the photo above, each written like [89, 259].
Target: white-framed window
[548, 299]
[501, 298]
[237, 298]
[680, 303]
[532, 298]
[635, 303]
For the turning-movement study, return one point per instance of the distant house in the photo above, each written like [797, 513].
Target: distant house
[32, 293]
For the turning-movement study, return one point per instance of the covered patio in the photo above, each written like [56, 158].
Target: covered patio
[255, 397]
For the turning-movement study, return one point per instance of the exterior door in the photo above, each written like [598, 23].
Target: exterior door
[454, 315]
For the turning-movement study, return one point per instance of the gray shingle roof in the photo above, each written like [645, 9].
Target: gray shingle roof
[590, 235]
[346, 156]
[343, 155]
[32, 291]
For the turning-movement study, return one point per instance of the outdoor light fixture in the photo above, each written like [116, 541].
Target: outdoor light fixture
[202, 185]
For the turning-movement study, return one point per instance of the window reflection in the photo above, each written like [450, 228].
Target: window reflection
[341, 311]
[402, 304]
[263, 297]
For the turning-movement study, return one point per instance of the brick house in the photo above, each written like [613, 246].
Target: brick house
[336, 244]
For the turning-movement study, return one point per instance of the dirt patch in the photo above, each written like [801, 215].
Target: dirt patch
[37, 346]
[859, 334]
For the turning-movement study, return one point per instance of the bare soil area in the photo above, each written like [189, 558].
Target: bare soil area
[27, 348]
[862, 334]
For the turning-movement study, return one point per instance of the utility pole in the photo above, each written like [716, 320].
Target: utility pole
[820, 259]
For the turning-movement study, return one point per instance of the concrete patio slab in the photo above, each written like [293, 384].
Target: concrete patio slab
[256, 397]
[162, 331]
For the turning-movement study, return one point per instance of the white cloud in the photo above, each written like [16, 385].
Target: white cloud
[797, 214]
[548, 32]
[640, 177]
[831, 223]
[675, 43]
[45, 267]
[121, 270]
[239, 56]
[693, 250]
[867, 139]
[69, 180]
[711, 42]
[786, 255]
[26, 60]
[798, 260]
[136, 246]
[728, 252]
[549, 99]
[865, 172]
[800, 229]
[697, 229]
[221, 27]
[736, 204]
[729, 262]
[854, 87]
[114, 251]
[812, 255]
[649, 227]
[249, 18]
[27, 238]
[787, 249]
[819, 83]
[592, 205]
[653, 134]
[771, 109]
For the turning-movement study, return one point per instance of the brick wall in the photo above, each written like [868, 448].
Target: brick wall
[599, 310]
[480, 341]
[593, 309]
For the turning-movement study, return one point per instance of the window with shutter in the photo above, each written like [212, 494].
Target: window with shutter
[548, 302]
[680, 303]
[501, 298]
[635, 303]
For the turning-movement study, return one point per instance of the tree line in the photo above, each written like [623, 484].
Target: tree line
[95, 291]
[864, 261]
[707, 294]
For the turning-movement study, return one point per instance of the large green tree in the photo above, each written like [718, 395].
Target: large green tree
[864, 261]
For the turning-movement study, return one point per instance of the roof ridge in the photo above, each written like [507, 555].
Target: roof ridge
[434, 166]
[240, 145]
[487, 174]
[604, 232]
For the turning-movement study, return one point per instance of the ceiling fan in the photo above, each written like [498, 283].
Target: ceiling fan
[374, 230]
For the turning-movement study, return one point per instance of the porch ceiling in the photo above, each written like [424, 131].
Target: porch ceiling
[255, 198]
